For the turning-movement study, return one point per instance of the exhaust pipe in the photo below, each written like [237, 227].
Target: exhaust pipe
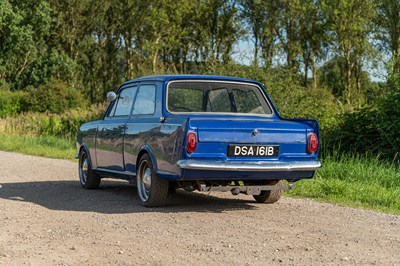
[235, 191]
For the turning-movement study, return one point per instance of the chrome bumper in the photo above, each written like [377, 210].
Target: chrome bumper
[256, 167]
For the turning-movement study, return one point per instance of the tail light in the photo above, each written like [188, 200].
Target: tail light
[191, 142]
[312, 144]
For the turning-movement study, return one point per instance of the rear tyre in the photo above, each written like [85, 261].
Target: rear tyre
[87, 177]
[152, 190]
[269, 196]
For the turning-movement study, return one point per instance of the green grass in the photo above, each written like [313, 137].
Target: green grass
[45, 146]
[356, 181]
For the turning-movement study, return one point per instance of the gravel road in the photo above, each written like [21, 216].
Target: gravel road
[46, 218]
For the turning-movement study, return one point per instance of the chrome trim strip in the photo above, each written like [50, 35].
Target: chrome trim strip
[104, 170]
[257, 166]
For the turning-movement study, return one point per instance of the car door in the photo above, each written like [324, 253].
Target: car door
[143, 127]
[110, 133]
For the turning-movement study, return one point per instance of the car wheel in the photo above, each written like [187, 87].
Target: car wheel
[87, 177]
[269, 196]
[152, 190]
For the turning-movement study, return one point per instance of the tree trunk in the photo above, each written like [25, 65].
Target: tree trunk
[256, 50]
[348, 84]
[396, 60]
[155, 56]
[315, 72]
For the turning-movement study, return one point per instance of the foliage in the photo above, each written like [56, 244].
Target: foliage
[55, 97]
[346, 19]
[330, 77]
[24, 26]
[261, 19]
[394, 81]
[354, 180]
[370, 130]
[387, 30]
[12, 103]
[51, 124]
[95, 45]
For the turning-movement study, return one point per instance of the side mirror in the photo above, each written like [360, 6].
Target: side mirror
[111, 96]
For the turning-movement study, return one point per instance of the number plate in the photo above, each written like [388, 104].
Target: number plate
[251, 150]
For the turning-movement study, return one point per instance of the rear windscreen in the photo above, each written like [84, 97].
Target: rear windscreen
[216, 97]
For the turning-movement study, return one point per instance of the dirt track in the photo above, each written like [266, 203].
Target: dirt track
[46, 218]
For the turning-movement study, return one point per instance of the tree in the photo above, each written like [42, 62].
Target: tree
[24, 26]
[349, 26]
[216, 30]
[312, 37]
[261, 17]
[387, 22]
[289, 35]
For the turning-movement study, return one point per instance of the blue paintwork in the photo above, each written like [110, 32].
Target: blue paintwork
[115, 143]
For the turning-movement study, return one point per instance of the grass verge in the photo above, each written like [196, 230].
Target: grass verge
[45, 146]
[355, 181]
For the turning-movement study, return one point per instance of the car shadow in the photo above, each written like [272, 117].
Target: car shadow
[112, 197]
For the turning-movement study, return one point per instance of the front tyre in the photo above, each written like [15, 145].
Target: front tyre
[87, 177]
[152, 190]
[269, 196]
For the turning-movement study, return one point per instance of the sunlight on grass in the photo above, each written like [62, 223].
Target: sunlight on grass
[358, 181]
[45, 146]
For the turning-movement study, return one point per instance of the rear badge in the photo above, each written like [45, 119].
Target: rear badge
[255, 132]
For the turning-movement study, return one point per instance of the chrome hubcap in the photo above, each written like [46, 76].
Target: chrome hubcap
[147, 178]
[144, 181]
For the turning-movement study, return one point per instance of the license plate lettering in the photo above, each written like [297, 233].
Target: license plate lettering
[246, 150]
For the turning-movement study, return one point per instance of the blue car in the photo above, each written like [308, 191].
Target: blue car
[195, 132]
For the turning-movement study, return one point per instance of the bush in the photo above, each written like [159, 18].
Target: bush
[12, 103]
[55, 97]
[293, 100]
[371, 129]
[52, 124]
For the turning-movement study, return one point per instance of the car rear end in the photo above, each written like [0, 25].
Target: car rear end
[235, 139]
[239, 148]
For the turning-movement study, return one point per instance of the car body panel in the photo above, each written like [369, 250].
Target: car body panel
[109, 144]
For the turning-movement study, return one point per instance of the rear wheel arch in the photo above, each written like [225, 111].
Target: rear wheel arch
[85, 148]
[145, 149]
[87, 176]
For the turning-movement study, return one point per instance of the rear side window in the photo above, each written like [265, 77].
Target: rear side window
[247, 102]
[216, 97]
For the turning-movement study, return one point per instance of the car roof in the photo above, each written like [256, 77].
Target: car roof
[164, 78]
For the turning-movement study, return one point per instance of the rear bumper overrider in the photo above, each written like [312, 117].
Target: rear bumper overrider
[250, 167]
